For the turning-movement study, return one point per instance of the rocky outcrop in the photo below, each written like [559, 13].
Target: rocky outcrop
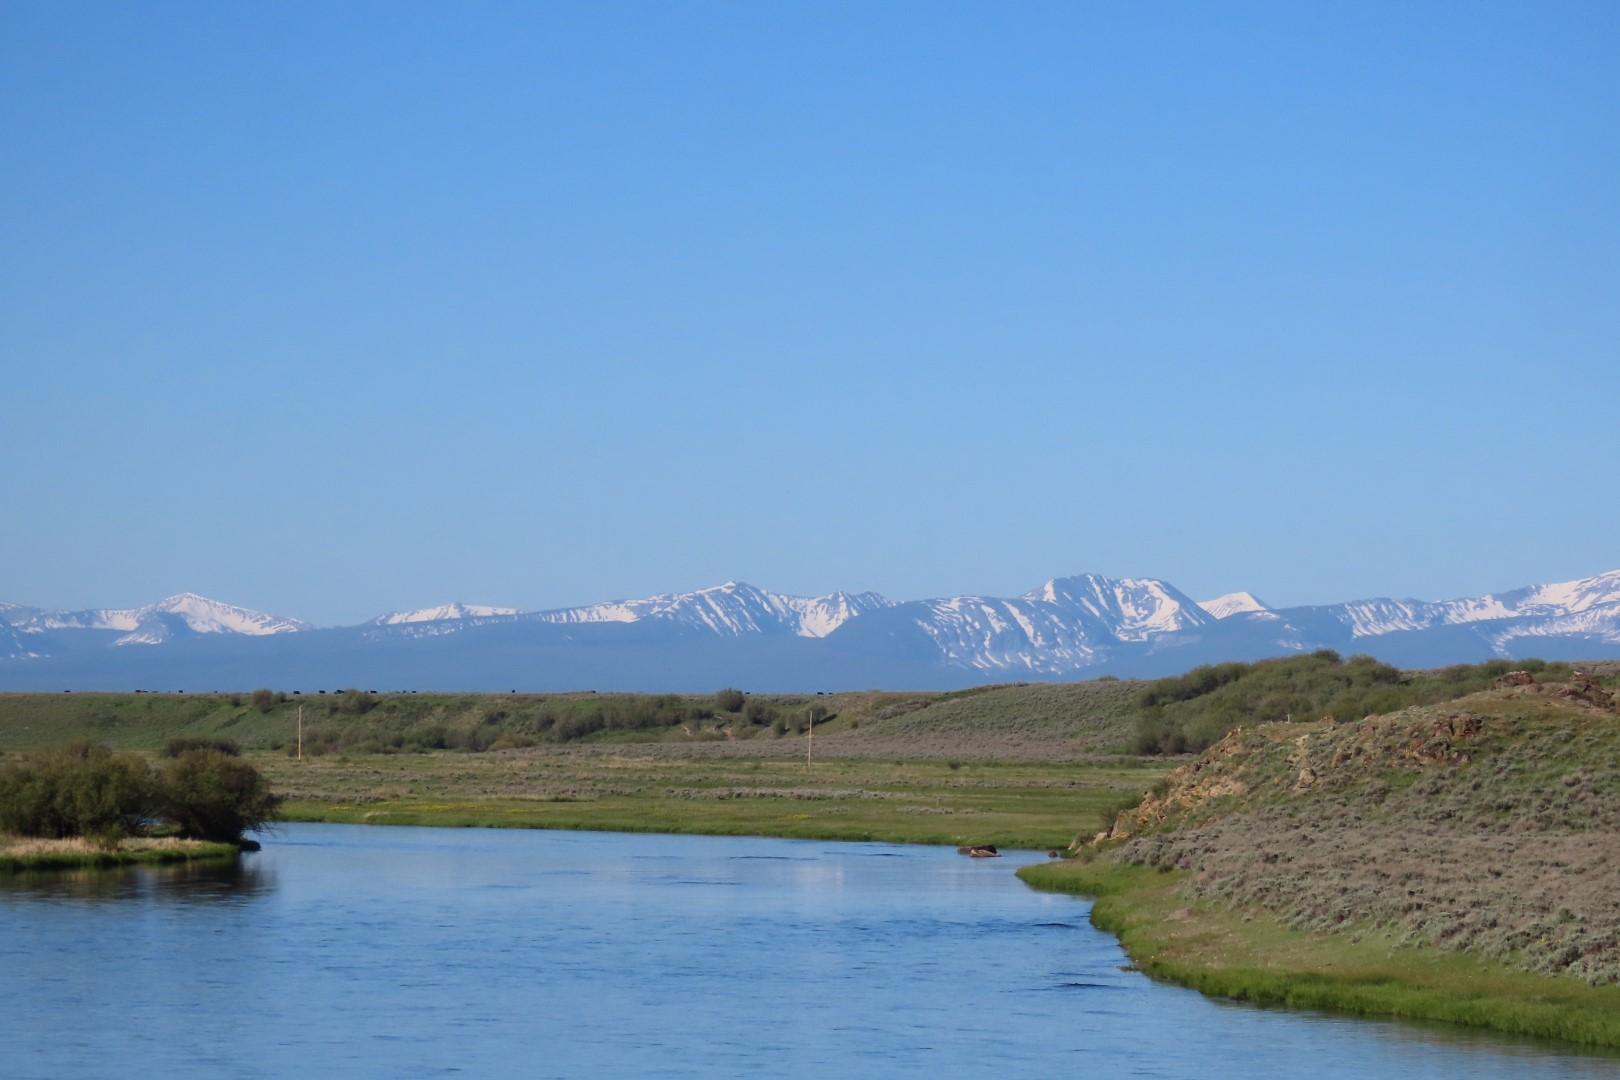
[1514, 678]
[1185, 788]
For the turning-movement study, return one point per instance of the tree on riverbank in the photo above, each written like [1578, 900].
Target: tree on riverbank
[85, 789]
[213, 796]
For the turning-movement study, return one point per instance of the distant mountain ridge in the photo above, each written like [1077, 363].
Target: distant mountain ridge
[1072, 627]
[732, 608]
[186, 613]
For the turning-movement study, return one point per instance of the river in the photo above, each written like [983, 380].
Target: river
[401, 952]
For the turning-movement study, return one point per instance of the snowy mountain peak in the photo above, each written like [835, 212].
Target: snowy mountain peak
[1569, 597]
[731, 609]
[156, 623]
[184, 613]
[1070, 626]
[1132, 608]
[1587, 601]
[1238, 603]
[453, 610]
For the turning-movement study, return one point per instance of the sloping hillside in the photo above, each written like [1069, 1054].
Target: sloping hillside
[1037, 721]
[1042, 721]
[1488, 825]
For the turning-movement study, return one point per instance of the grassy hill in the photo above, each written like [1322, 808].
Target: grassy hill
[1025, 721]
[1452, 861]
[1190, 712]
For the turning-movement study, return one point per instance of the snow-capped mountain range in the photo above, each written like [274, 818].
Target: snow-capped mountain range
[156, 623]
[732, 608]
[1075, 627]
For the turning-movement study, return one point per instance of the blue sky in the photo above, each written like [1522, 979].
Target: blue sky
[331, 309]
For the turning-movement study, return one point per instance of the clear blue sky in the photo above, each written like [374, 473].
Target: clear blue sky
[331, 309]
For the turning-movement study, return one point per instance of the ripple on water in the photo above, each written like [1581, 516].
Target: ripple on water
[395, 952]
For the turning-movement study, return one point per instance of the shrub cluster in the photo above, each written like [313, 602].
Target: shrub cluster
[385, 727]
[85, 789]
[182, 744]
[1191, 712]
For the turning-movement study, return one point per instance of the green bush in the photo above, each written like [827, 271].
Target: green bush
[1190, 712]
[213, 796]
[84, 789]
[181, 744]
[353, 703]
[264, 699]
[78, 790]
[730, 700]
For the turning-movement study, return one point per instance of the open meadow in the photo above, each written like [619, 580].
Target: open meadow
[632, 789]
[1015, 766]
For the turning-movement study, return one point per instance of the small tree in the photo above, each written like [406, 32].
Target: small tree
[730, 700]
[263, 699]
[212, 796]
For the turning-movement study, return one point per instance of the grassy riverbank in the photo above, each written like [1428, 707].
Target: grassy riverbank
[1456, 862]
[1016, 766]
[19, 853]
[663, 789]
[1257, 958]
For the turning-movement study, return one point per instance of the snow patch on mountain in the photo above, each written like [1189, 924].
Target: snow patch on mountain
[731, 609]
[1599, 623]
[156, 623]
[1556, 601]
[12, 644]
[1064, 626]
[1238, 603]
[1572, 596]
[454, 610]
[1132, 608]
[1069, 627]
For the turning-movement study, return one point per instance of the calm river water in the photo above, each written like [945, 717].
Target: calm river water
[393, 952]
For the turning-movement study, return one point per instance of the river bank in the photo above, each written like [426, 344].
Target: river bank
[23, 854]
[1258, 959]
[1456, 862]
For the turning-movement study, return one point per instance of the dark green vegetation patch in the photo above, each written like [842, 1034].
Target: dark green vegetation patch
[87, 790]
[1191, 712]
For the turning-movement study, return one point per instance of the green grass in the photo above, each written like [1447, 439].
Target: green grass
[1033, 721]
[1038, 721]
[1455, 862]
[643, 789]
[19, 855]
[1193, 711]
[1254, 957]
[1488, 826]
[1018, 766]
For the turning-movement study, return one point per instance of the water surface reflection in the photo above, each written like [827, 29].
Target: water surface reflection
[211, 881]
[410, 952]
